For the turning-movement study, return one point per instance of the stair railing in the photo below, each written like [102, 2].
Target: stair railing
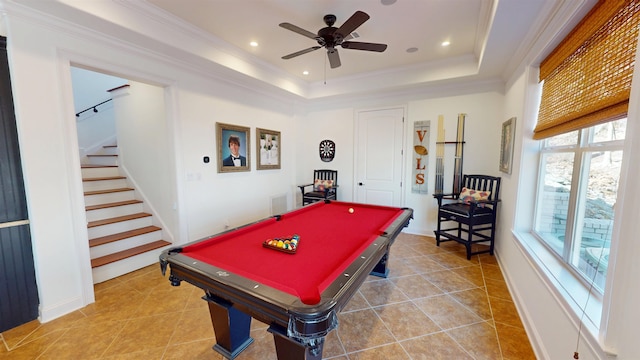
[94, 107]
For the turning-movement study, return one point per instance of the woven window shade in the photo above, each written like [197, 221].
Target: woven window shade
[587, 78]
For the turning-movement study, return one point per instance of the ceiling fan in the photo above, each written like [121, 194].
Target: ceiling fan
[329, 37]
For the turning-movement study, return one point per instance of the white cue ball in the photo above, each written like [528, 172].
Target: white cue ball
[350, 210]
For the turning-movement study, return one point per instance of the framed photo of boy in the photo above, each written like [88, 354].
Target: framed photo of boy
[506, 145]
[233, 149]
[268, 149]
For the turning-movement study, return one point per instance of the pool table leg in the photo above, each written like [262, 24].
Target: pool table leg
[231, 327]
[290, 349]
[381, 269]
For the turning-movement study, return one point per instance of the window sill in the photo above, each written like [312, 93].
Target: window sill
[572, 294]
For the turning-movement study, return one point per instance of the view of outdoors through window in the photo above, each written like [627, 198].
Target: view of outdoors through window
[577, 195]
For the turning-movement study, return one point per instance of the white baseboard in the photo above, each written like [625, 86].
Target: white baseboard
[49, 313]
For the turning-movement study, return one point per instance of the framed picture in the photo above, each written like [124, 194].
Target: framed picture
[268, 149]
[233, 148]
[506, 145]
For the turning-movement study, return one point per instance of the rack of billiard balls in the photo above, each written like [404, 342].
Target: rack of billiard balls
[288, 244]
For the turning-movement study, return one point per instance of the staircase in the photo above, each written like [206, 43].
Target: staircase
[122, 237]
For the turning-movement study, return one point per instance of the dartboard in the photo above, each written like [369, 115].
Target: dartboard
[327, 150]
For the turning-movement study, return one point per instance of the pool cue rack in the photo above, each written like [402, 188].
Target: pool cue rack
[459, 154]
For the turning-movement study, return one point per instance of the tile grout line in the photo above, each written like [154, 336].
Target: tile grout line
[20, 343]
[51, 345]
[126, 322]
[182, 315]
[385, 324]
[495, 328]
[114, 339]
[369, 307]
[448, 293]
[4, 342]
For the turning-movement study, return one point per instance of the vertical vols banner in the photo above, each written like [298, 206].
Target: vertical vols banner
[421, 130]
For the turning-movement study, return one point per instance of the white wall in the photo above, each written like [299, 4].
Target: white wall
[213, 200]
[481, 150]
[336, 125]
[90, 88]
[145, 148]
[483, 121]
[51, 168]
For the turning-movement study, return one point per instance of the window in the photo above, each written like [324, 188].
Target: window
[576, 195]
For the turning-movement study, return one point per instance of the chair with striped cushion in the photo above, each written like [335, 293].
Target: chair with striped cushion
[325, 186]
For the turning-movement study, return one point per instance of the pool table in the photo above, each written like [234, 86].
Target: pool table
[297, 293]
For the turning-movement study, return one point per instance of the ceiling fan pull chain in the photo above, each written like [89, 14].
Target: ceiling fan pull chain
[325, 70]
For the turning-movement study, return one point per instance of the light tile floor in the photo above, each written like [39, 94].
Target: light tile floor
[434, 305]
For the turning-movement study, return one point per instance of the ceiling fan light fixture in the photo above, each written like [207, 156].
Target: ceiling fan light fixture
[305, 72]
[445, 43]
[253, 44]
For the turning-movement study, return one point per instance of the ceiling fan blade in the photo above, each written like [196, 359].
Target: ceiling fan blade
[334, 58]
[298, 53]
[357, 19]
[355, 45]
[298, 30]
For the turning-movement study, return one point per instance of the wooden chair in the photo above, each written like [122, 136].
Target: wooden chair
[473, 211]
[325, 184]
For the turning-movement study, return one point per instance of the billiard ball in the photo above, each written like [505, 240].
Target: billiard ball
[350, 210]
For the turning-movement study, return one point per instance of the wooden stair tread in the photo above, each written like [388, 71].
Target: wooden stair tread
[104, 178]
[113, 204]
[91, 166]
[117, 219]
[123, 235]
[108, 259]
[108, 191]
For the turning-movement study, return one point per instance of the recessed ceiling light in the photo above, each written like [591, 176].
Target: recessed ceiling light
[305, 72]
[445, 43]
[254, 43]
[412, 49]
[388, 2]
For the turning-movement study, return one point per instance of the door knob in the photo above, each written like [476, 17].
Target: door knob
[360, 184]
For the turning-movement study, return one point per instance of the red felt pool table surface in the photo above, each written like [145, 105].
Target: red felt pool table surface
[331, 238]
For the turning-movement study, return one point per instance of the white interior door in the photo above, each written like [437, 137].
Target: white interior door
[379, 156]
